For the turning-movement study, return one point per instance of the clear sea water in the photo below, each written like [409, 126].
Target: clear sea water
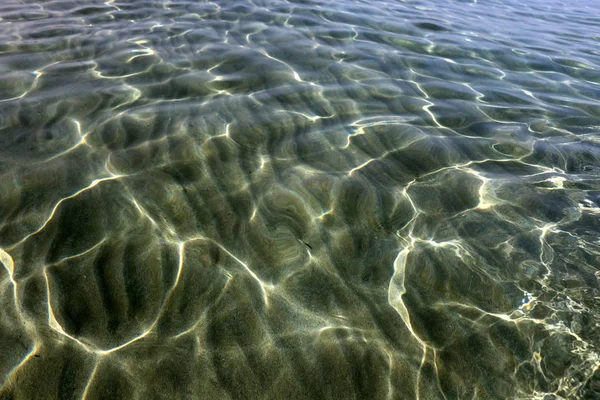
[303, 199]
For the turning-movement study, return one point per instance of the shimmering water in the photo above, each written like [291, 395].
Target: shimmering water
[319, 199]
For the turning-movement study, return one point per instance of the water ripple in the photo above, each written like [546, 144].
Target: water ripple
[273, 199]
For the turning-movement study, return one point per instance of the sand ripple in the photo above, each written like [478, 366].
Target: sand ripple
[299, 199]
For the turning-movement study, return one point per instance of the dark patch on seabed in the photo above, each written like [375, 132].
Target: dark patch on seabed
[301, 199]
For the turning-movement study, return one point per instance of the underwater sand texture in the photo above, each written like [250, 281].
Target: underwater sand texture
[301, 199]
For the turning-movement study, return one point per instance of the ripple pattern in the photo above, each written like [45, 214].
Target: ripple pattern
[305, 199]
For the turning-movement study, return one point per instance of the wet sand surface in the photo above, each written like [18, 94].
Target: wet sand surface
[299, 200]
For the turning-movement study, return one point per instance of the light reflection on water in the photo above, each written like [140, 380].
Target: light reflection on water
[299, 199]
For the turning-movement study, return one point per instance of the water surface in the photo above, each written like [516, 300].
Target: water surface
[299, 199]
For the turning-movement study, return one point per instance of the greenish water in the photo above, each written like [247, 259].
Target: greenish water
[299, 199]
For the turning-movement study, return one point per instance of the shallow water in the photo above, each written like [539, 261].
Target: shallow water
[299, 199]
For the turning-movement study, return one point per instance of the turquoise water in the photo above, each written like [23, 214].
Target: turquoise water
[299, 199]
